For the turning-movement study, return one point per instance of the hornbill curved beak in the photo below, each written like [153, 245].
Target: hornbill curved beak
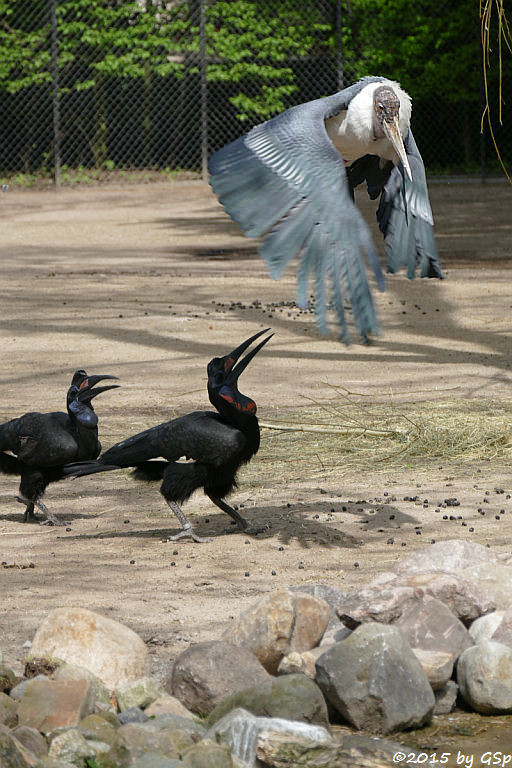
[391, 128]
[86, 391]
[233, 371]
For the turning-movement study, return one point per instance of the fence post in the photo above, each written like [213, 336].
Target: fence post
[204, 91]
[55, 90]
[339, 47]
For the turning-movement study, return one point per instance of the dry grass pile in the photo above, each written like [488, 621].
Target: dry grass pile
[348, 432]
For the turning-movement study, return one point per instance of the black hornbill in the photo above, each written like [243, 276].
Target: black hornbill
[40, 444]
[215, 445]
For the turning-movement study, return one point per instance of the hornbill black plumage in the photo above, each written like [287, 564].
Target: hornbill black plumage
[38, 445]
[292, 180]
[215, 443]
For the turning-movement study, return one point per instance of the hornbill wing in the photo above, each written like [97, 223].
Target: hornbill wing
[200, 436]
[405, 218]
[286, 180]
[39, 439]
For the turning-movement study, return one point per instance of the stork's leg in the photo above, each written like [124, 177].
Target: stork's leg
[187, 531]
[29, 512]
[241, 522]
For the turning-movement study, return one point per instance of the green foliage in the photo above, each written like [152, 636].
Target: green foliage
[431, 49]
[24, 49]
[253, 43]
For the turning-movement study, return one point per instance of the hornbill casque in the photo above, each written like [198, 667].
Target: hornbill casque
[38, 445]
[292, 180]
[214, 445]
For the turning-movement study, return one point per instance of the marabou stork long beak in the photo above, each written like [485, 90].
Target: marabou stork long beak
[233, 371]
[86, 393]
[392, 131]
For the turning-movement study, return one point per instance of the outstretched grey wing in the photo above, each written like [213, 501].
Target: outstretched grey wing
[286, 180]
[405, 219]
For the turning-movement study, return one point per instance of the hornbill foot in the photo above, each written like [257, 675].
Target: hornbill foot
[188, 532]
[50, 518]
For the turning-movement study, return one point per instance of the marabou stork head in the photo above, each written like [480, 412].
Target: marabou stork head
[223, 374]
[386, 105]
[81, 393]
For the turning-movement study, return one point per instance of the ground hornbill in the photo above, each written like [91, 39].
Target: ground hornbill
[214, 444]
[40, 444]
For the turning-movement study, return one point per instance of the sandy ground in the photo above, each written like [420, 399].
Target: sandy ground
[149, 283]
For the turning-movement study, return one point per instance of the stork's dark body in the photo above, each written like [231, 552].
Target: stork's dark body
[203, 449]
[36, 446]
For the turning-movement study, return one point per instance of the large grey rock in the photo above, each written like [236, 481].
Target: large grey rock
[448, 556]
[96, 728]
[484, 627]
[332, 596]
[177, 724]
[303, 663]
[100, 692]
[240, 731]
[168, 705]
[134, 740]
[495, 578]
[503, 632]
[464, 598]
[18, 692]
[207, 754]
[32, 740]
[275, 749]
[110, 650]
[374, 680]
[437, 666]
[278, 624]
[446, 698]
[139, 693]
[11, 751]
[8, 711]
[155, 760]
[50, 704]
[71, 747]
[431, 626]
[293, 697]
[208, 672]
[484, 675]
[385, 604]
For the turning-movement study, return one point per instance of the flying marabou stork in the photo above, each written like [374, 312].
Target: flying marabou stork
[292, 180]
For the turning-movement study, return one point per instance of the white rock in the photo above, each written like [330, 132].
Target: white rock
[108, 649]
[484, 627]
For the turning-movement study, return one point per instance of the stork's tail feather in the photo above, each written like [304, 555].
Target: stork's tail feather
[81, 468]
[9, 465]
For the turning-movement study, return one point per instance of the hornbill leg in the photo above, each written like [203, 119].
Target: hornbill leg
[241, 522]
[186, 526]
[28, 516]
[29, 512]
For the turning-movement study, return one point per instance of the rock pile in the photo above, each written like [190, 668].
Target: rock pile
[265, 694]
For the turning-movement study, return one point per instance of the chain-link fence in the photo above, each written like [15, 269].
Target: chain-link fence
[99, 89]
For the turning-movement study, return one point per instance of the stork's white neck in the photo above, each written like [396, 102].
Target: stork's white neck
[351, 131]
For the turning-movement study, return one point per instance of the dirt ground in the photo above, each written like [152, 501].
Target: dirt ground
[149, 283]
